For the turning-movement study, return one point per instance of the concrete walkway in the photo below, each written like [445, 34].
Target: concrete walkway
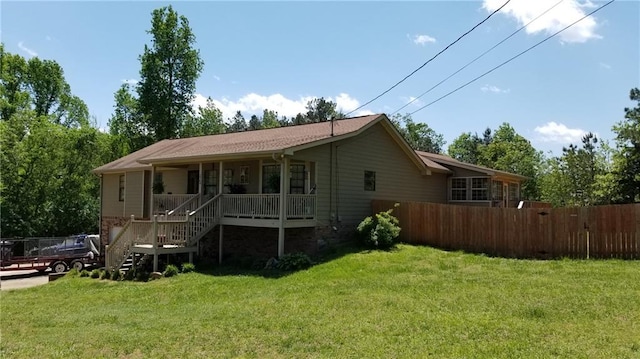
[19, 279]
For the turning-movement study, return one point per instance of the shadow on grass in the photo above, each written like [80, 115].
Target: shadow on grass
[246, 266]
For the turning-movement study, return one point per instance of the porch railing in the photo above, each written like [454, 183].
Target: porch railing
[203, 219]
[119, 249]
[251, 205]
[301, 206]
[169, 202]
[267, 206]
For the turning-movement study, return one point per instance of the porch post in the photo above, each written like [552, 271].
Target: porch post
[200, 182]
[155, 242]
[220, 178]
[220, 244]
[151, 199]
[284, 172]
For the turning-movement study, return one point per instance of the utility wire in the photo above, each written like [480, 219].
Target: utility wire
[477, 58]
[431, 59]
[512, 58]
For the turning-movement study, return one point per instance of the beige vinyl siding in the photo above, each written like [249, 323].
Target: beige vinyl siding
[134, 194]
[111, 206]
[254, 173]
[175, 180]
[397, 177]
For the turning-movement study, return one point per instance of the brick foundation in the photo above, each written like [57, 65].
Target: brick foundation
[106, 224]
[262, 243]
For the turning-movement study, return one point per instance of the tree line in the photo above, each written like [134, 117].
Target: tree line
[50, 144]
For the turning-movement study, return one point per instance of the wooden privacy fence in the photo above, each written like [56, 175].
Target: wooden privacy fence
[611, 231]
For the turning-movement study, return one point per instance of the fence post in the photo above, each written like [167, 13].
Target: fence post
[587, 243]
[154, 233]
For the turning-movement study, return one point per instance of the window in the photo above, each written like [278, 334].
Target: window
[271, 179]
[121, 189]
[369, 181]
[296, 183]
[210, 182]
[227, 177]
[496, 191]
[479, 189]
[244, 175]
[458, 189]
[514, 192]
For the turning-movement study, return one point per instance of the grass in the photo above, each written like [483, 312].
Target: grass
[407, 303]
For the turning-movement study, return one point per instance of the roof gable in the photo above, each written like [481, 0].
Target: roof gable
[450, 161]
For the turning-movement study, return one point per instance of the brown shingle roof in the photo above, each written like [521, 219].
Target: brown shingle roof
[446, 160]
[239, 143]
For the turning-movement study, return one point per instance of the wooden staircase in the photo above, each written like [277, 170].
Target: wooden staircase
[179, 229]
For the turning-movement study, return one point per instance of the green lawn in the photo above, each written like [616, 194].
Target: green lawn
[414, 302]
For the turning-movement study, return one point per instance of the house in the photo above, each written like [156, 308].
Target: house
[221, 195]
[474, 185]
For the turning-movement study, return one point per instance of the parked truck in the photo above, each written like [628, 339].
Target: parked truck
[60, 254]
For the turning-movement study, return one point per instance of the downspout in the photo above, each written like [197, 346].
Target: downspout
[100, 219]
[337, 189]
[331, 217]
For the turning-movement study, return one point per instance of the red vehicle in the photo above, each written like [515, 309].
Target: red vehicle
[59, 254]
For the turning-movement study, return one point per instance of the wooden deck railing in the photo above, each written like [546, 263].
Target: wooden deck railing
[170, 202]
[134, 231]
[251, 205]
[267, 206]
[301, 206]
[203, 219]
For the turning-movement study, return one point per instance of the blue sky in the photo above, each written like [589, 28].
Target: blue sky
[278, 55]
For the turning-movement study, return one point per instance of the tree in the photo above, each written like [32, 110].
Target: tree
[255, 123]
[127, 122]
[170, 68]
[419, 135]
[579, 176]
[207, 121]
[270, 119]
[504, 150]
[47, 188]
[626, 162]
[39, 85]
[467, 148]
[238, 123]
[321, 110]
[510, 152]
[13, 95]
[45, 80]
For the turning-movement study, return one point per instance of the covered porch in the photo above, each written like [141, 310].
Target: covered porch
[269, 192]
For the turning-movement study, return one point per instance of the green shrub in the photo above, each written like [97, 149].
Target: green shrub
[380, 231]
[72, 273]
[142, 275]
[170, 271]
[116, 275]
[188, 267]
[84, 273]
[105, 274]
[294, 261]
[95, 273]
[130, 274]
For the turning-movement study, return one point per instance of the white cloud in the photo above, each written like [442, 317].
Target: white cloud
[26, 49]
[494, 89]
[422, 39]
[408, 100]
[561, 16]
[217, 78]
[129, 81]
[255, 104]
[559, 133]
[605, 66]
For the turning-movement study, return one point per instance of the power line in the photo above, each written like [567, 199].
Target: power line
[477, 58]
[512, 58]
[431, 59]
